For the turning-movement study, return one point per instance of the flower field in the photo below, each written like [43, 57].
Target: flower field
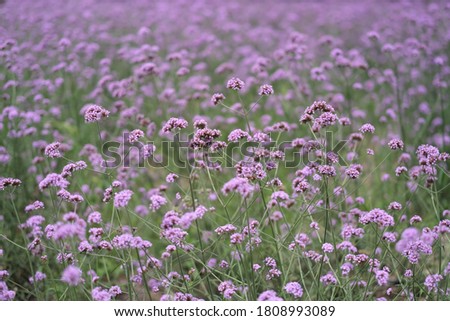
[224, 150]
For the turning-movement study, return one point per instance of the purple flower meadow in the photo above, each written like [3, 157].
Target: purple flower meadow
[218, 150]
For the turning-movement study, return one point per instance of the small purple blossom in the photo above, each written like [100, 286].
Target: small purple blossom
[52, 150]
[174, 123]
[235, 84]
[328, 279]
[265, 90]
[94, 113]
[367, 128]
[396, 143]
[269, 295]
[294, 289]
[122, 198]
[327, 247]
[432, 282]
[217, 98]
[237, 135]
[72, 275]
[378, 216]
[134, 135]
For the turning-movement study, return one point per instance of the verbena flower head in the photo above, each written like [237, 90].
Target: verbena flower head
[328, 279]
[265, 90]
[377, 216]
[367, 128]
[174, 123]
[99, 294]
[35, 206]
[235, 84]
[396, 143]
[328, 247]
[122, 198]
[134, 135]
[269, 295]
[239, 185]
[72, 275]
[294, 289]
[237, 134]
[52, 150]
[94, 113]
[69, 169]
[8, 181]
[432, 282]
[227, 289]
[38, 277]
[354, 171]
[217, 98]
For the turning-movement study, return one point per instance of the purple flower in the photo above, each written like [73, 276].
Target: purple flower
[128, 241]
[170, 178]
[3, 274]
[327, 170]
[134, 135]
[227, 289]
[328, 279]
[390, 237]
[174, 123]
[412, 249]
[408, 273]
[53, 179]
[235, 84]
[148, 150]
[115, 290]
[52, 150]
[174, 235]
[353, 171]
[156, 202]
[382, 277]
[256, 267]
[85, 247]
[5, 182]
[72, 275]
[294, 289]
[400, 170]
[239, 185]
[432, 281]
[5, 293]
[265, 90]
[217, 98]
[395, 206]
[67, 196]
[367, 128]
[427, 154]
[99, 294]
[415, 219]
[94, 218]
[327, 247]
[346, 268]
[122, 198]
[38, 277]
[238, 134]
[37, 205]
[324, 120]
[72, 167]
[236, 238]
[269, 295]
[226, 229]
[94, 113]
[378, 216]
[396, 144]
